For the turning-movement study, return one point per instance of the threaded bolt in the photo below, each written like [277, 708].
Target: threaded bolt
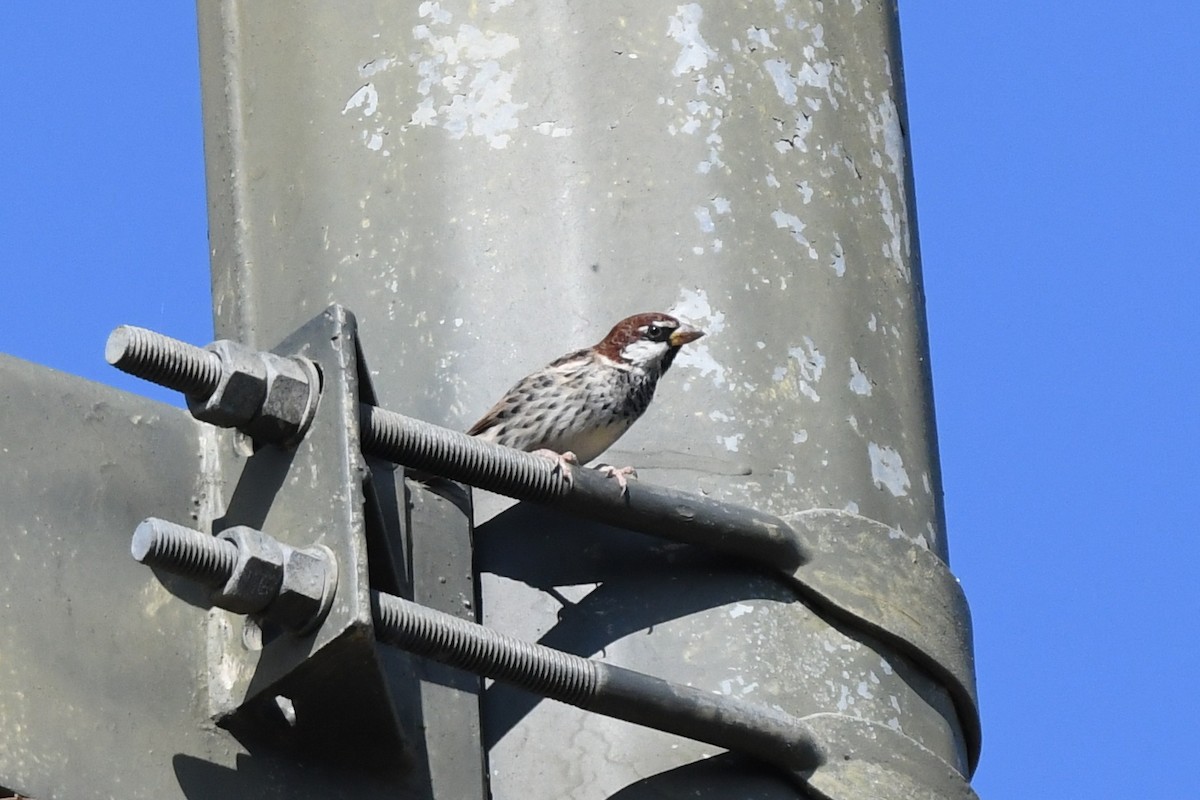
[475, 648]
[183, 551]
[525, 476]
[602, 688]
[163, 360]
[423, 446]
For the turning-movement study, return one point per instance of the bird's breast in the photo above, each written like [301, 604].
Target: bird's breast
[590, 442]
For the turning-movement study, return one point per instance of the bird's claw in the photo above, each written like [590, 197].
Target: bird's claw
[562, 463]
[622, 475]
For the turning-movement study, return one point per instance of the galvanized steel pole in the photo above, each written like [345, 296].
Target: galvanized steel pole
[489, 185]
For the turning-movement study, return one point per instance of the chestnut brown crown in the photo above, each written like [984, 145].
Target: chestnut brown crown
[647, 337]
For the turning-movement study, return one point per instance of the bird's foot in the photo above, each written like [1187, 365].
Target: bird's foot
[562, 463]
[622, 475]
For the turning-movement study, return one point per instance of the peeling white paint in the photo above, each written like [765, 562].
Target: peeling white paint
[465, 88]
[707, 225]
[704, 114]
[897, 532]
[694, 307]
[721, 205]
[698, 357]
[800, 436]
[785, 83]
[798, 138]
[860, 384]
[758, 38]
[811, 364]
[552, 129]
[366, 98]
[887, 469]
[896, 249]
[886, 125]
[684, 28]
[795, 227]
[434, 11]
[731, 442]
[817, 75]
[740, 609]
[728, 686]
[375, 66]
[839, 260]
[366, 102]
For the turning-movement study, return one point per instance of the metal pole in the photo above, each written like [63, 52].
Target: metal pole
[489, 185]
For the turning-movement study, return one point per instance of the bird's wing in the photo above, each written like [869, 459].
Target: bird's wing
[527, 388]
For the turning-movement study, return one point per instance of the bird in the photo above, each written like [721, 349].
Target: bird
[578, 405]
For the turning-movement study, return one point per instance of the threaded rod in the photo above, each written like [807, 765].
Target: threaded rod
[596, 686]
[163, 360]
[475, 648]
[183, 551]
[656, 510]
[423, 446]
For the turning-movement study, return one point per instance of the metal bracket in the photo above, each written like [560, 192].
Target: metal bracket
[865, 759]
[314, 676]
[921, 608]
[844, 562]
[262, 680]
[835, 755]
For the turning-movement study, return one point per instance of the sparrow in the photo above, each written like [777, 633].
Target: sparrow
[575, 408]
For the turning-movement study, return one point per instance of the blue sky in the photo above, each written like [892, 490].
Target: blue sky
[1056, 164]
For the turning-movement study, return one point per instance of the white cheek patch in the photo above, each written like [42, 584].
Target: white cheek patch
[643, 352]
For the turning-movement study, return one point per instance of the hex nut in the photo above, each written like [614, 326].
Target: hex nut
[292, 388]
[257, 575]
[239, 395]
[309, 583]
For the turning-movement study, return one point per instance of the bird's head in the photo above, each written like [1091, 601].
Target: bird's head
[647, 341]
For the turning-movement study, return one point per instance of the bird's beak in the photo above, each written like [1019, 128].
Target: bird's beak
[684, 334]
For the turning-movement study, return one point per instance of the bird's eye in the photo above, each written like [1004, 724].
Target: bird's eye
[654, 333]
